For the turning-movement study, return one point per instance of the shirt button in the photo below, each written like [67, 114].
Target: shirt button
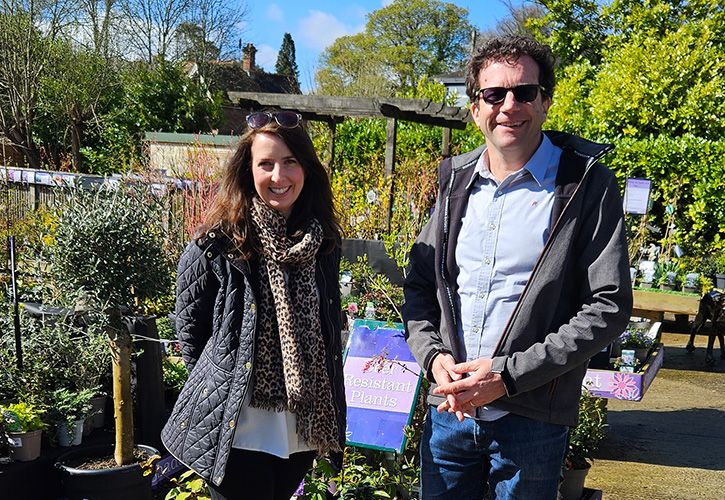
[209, 254]
[492, 226]
[481, 295]
[252, 307]
[211, 234]
[231, 424]
[183, 425]
[475, 329]
[248, 365]
[487, 260]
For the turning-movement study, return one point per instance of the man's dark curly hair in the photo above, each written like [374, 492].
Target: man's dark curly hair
[510, 49]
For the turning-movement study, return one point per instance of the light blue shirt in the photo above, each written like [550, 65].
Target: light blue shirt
[504, 229]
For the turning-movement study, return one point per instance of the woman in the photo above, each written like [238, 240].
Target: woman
[257, 315]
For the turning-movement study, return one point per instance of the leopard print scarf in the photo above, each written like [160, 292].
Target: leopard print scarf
[290, 368]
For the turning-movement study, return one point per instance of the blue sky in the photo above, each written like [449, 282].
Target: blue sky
[315, 24]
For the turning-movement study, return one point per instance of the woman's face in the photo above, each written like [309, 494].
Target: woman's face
[278, 175]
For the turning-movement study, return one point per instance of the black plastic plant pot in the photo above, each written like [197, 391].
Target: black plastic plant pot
[117, 483]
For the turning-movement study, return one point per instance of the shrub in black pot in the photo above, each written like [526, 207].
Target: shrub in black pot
[109, 249]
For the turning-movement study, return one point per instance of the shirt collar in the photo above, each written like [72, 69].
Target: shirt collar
[537, 165]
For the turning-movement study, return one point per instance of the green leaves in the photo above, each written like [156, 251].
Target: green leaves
[402, 42]
[109, 244]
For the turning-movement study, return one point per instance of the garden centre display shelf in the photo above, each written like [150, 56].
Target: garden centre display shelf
[626, 386]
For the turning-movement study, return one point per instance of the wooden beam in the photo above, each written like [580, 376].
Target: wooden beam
[324, 108]
[391, 111]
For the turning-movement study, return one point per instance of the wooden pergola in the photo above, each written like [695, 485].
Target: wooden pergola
[332, 110]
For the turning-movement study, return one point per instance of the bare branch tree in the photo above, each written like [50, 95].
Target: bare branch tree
[152, 24]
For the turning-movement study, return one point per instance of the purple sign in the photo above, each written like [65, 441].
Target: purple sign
[621, 385]
[382, 381]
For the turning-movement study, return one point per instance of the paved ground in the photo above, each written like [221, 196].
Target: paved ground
[670, 445]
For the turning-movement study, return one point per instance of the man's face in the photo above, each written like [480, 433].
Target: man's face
[512, 129]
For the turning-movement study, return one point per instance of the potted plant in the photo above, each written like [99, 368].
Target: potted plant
[647, 269]
[584, 441]
[690, 283]
[109, 245]
[23, 423]
[637, 340]
[68, 410]
[667, 273]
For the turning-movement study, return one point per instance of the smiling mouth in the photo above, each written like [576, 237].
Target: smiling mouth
[280, 191]
[511, 124]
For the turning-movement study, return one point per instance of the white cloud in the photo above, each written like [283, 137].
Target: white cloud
[385, 3]
[319, 29]
[266, 57]
[275, 13]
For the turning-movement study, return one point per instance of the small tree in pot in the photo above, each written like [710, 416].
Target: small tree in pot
[109, 247]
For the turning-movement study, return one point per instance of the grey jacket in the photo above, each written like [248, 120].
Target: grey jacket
[577, 300]
[215, 323]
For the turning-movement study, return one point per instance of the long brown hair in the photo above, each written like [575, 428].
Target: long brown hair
[230, 210]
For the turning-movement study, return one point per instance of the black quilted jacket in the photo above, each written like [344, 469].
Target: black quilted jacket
[215, 323]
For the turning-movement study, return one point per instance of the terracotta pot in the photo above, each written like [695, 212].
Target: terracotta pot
[25, 446]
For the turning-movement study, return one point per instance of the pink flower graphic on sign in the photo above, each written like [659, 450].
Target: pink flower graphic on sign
[624, 387]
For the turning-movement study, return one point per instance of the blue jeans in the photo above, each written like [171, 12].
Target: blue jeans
[513, 457]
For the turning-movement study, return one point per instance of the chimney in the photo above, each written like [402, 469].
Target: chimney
[248, 53]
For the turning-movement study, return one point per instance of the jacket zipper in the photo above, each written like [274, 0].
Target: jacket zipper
[444, 249]
[245, 274]
[544, 251]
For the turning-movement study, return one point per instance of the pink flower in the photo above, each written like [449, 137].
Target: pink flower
[624, 387]
[352, 308]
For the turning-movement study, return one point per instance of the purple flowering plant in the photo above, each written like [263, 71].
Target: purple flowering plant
[635, 339]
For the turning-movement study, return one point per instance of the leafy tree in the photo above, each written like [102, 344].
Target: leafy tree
[655, 90]
[401, 43]
[352, 67]
[286, 61]
[73, 91]
[574, 29]
[24, 53]
[193, 46]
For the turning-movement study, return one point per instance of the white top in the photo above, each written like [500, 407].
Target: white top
[273, 432]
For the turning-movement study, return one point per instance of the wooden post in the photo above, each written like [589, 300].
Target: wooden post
[390, 144]
[332, 125]
[446, 146]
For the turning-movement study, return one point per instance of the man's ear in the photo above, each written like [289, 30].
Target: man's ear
[475, 110]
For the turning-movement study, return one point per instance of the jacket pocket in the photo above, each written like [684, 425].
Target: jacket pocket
[206, 414]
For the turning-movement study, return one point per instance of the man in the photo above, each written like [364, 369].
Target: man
[520, 277]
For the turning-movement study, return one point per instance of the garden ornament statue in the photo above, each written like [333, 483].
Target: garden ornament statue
[712, 307]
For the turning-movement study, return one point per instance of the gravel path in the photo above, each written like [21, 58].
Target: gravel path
[670, 445]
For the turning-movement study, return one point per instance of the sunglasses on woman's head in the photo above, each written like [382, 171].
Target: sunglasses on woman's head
[285, 119]
[522, 93]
